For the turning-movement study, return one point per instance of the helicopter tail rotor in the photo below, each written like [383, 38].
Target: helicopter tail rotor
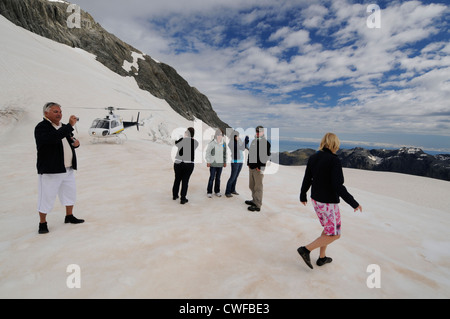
[132, 123]
[137, 121]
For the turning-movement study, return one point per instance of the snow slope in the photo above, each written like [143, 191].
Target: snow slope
[139, 243]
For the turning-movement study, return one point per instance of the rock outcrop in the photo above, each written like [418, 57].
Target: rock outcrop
[405, 160]
[68, 24]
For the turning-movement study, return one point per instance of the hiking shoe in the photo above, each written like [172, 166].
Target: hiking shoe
[250, 202]
[304, 253]
[323, 261]
[43, 228]
[70, 219]
[254, 209]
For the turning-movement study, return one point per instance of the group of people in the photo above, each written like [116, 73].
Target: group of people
[216, 154]
[56, 162]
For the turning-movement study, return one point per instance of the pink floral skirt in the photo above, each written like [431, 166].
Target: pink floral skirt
[329, 216]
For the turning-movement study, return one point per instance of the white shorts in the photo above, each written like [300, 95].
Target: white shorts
[52, 185]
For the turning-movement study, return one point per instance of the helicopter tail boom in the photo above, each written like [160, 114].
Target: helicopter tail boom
[129, 124]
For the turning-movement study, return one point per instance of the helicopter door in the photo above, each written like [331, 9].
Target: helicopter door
[104, 125]
[116, 127]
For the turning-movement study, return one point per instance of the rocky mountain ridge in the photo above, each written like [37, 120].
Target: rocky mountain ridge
[57, 20]
[406, 160]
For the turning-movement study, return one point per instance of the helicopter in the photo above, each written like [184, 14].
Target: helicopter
[111, 127]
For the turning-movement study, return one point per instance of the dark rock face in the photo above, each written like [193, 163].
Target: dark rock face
[50, 20]
[357, 158]
[411, 161]
[295, 158]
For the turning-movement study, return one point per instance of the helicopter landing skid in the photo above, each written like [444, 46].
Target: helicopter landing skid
[110, 139]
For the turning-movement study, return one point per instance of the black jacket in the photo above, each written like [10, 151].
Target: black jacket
[50, 152]
[324, 174]
[259, 153]
[236, 147]
[186, 150]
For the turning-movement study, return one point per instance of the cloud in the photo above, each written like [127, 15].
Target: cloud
[288, 61]
[314, 16]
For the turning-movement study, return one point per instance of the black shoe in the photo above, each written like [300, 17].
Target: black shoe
[323, 261]
[175, 197]
[184, 201]
[235, 193]
[43, 228]
[254, 209]
[304, 253]
[228, 195]
[250, 202]
[72, 220]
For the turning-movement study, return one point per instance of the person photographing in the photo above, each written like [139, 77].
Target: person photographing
[56, 163]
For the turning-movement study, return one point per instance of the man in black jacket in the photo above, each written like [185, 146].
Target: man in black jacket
[56, 162]
[258, 155]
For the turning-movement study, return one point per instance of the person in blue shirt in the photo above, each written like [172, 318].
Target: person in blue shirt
[237, 148]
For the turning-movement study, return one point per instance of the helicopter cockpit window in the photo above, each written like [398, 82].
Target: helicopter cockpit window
[100, 124]
[94, 124]
[104, 124]
[114, 124]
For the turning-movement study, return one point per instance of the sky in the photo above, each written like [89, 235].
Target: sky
[377, 76]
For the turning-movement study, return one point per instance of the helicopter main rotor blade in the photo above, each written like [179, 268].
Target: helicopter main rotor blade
[126, 109]
[87, 108]
[112, 108]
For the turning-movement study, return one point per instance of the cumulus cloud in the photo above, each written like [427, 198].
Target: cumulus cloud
[287, 61]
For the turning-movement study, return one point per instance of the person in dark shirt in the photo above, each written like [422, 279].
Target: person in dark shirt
[258, 155]
[184, 164]
[56, 162]
[324, 176]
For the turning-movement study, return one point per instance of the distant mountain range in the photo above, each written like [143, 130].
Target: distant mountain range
[405, 160]
[49, 19]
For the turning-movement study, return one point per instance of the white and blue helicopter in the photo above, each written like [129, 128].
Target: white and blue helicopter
[112, 126]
